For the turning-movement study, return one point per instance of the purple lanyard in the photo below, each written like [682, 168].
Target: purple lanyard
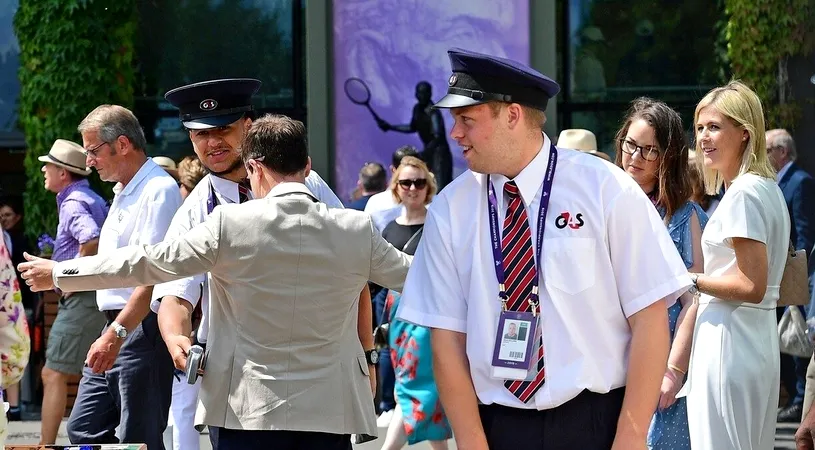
[212, 201]
[495, 234]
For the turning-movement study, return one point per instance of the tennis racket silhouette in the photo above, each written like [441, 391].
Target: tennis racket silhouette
[358, 92]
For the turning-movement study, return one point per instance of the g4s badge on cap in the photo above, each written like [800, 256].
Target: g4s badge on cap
[208, 104]
[452, 79]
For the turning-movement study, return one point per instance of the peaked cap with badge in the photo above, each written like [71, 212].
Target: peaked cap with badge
[214, 103]
[68, 155]
[479, 78]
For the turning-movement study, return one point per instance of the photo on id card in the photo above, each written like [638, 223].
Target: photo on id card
[513, 340]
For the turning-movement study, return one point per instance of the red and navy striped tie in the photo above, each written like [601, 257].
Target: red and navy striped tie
[243, 191]
[520, 272]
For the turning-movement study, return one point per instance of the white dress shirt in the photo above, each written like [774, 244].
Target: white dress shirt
[193, 212]
[383, 209]
[140, 215]
[595, 275]
[380, 201]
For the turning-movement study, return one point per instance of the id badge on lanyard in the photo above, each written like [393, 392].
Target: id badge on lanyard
[517, 331]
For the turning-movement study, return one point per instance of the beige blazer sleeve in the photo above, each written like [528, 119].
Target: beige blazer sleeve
[193, 253]
[389, 266]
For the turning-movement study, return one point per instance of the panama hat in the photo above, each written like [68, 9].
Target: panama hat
[577, 139]
[167, 164]
[68, 155]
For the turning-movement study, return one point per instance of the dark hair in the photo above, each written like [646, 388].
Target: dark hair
[373, 177]
[401, 152]
[15, 203]
[280, 141]
[673, 181]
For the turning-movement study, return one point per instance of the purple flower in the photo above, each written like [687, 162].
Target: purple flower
[46, 244]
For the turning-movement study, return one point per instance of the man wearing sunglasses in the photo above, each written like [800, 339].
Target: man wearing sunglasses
[216, 114]
[284, 368]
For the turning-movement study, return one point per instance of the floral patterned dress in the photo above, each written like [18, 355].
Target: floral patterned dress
[416, 390]
[15, 343]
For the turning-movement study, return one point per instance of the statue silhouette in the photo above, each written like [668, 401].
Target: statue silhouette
[429, 123]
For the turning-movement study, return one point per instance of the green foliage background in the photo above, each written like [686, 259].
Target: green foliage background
[74, 56]
[759, 35]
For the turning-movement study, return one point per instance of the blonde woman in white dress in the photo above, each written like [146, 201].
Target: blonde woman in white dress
[733, 380]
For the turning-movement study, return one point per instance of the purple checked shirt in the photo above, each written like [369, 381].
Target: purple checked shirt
[81, 214]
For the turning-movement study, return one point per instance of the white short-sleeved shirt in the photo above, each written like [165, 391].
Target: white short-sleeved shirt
[383, 209]
[754, 208]
[612, 258]
[195, 211]
[140, 215]
[380, 201]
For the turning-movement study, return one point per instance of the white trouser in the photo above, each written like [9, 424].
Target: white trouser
[182, 414]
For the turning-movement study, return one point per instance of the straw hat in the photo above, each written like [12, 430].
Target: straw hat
[577, 139]
[167, 164]
[68, 155]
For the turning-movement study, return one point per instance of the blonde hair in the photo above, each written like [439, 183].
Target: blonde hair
[534, 118]
[412, 161]
[742, 106]
[190, 172]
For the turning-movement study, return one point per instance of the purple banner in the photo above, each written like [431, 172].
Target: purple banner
[386, 47]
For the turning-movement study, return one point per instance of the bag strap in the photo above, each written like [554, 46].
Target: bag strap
[417, 233]
[385, 309]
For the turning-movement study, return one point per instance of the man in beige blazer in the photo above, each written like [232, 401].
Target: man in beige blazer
[284, 363]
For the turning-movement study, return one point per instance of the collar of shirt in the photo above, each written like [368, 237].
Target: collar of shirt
[289, 187]
[76, 185]
[783, 170]
[226, 188]
[529, 181]
[129, 188]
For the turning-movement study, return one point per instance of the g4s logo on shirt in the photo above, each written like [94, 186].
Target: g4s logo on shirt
[565, 219]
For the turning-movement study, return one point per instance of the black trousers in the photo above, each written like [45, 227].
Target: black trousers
[586, 422]
[227, 439]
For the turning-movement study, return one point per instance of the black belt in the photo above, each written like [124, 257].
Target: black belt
[111, 314]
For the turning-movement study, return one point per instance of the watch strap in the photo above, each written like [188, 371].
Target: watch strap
[119, 329]
[371, 356]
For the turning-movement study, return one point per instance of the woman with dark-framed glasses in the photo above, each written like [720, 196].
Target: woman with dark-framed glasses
[652, 149]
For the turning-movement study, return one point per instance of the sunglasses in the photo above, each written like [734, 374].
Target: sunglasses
[420, 183]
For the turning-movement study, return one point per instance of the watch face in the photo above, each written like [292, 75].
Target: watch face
[374, 358]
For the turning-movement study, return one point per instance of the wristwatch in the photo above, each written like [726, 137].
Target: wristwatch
[119, 329]
[372, 356]
[694, 289]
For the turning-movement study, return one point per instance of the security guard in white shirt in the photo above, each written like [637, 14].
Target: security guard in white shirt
[557, 244]
[217, 114]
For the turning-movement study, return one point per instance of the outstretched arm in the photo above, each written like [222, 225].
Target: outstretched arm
[131, 266]
[405, 128]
